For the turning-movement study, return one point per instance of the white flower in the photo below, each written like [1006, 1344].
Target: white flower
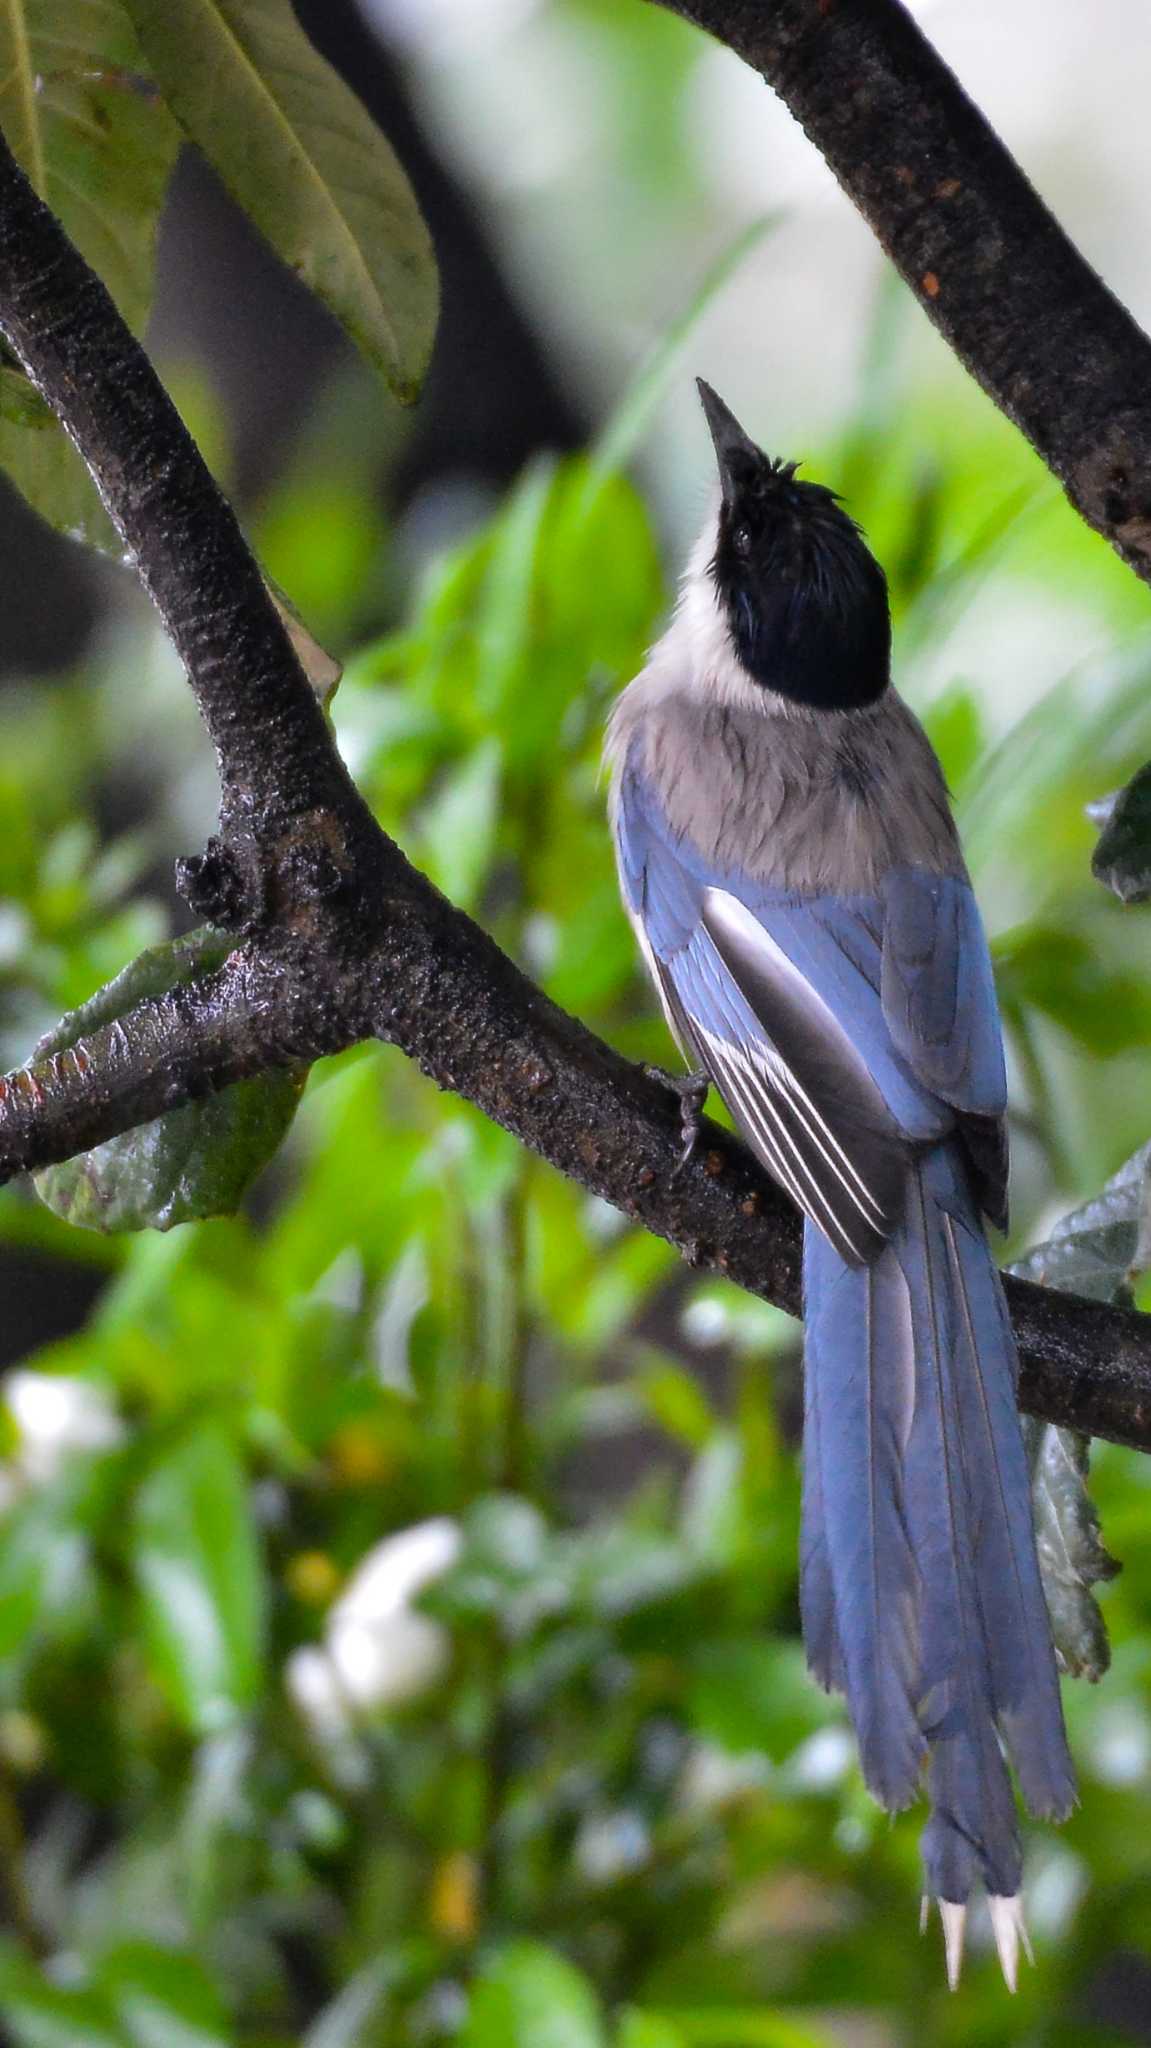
[378, 1652]
[56, 1418]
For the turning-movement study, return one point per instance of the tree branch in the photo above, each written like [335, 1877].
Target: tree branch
[344, 939]
[991, 267]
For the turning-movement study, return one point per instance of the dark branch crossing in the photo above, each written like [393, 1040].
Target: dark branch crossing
[338, 938]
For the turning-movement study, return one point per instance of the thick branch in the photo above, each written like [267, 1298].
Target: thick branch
[353, 942]
[989, 264]
[438, 987]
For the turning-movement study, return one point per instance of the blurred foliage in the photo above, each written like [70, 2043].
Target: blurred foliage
[398, 1622]
[568, 1782]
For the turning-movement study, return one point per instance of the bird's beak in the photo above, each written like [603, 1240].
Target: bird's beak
[735, 451]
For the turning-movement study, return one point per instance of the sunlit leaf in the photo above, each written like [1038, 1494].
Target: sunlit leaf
[647, 2030]
[298, 151]
[198, 1569]
[196, 1161]
[528, 1996]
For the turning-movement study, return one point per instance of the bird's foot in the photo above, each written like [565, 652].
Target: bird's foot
[1007, 1925]
[692, 1092]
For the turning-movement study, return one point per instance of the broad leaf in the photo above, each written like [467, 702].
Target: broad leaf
[1098, 1248]
[199, 1574]
[198, 1160]
[163, 1997]
[530, 1997]
[303, 158]
[98, 144]
[1096, 1251]
[1072, 1557]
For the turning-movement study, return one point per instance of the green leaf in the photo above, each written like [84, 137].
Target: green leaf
[199, 1574]
[43, 1553]
[530, 1997]
[504, 619]
[198, 1160]
[40, 2014]
[299, 153]
[747, 1693]
[1122, 858]
[1061, 972]
[458, 827]
[647, 2030]
[731, 2027]
[673, 1398]
[98, 145]
[164, 1997]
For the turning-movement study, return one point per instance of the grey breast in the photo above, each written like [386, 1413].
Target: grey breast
[819, 803]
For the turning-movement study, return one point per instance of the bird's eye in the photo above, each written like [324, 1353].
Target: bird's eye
[741, 540]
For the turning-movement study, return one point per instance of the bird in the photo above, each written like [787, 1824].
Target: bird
[790, 865]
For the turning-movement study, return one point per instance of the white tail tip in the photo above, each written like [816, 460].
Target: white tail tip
[954, 1920]
[1010, 1934]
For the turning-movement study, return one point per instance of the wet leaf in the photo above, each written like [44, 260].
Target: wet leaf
[1122, 858]
[300, 154]
[1096, 1251]
[198, 1160]
[1072, 1557]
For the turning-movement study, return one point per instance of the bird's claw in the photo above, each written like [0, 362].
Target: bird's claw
[692, 1092]
[1007, 1925]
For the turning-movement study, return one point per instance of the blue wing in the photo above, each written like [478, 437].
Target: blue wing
[840, 1031]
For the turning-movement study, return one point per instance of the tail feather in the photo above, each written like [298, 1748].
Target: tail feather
[924, 1596]
[1025, 1684]
[860, 1356]
[816, 1590]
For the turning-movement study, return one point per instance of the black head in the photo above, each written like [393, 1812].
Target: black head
[805, 599]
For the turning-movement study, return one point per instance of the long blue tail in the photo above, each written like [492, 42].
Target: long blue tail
[920, 1587]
